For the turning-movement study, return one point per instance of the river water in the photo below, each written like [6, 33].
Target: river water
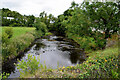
[52, 51]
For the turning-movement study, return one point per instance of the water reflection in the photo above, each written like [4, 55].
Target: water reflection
[54, 51]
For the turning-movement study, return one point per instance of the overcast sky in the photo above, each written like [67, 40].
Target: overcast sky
[29, 7]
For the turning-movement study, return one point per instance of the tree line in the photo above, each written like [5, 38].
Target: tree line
[90, 23]
[15, 19]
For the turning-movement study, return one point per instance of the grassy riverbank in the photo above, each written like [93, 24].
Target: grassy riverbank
[20, 38]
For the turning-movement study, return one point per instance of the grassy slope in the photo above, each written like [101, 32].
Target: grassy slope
[17, 31]
[21, 39]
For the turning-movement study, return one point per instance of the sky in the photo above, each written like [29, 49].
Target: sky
[35, 7]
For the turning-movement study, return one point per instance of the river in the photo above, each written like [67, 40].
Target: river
[51, 51]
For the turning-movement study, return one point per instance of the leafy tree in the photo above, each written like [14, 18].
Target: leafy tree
[78, 24]
[30, 21]
[41, 27]
[13, 18]
[103, 16]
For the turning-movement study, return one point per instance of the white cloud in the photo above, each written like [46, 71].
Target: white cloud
[29, 7]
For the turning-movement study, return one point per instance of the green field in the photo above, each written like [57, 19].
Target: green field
[21, 38]
[17, 31]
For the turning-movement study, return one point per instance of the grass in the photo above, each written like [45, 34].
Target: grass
[17, 31]
[20, 40]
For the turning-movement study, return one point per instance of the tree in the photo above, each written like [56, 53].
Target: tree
[103, 16]
[30, 21]
[41, 27]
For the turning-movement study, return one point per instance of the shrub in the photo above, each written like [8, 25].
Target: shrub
[87, 43]
[10, 48]
[4, 76]
[9, 32]
[29, 66]
[5, 38]
[101, 68]
[48, 33]
[101, 64]
[41, 28]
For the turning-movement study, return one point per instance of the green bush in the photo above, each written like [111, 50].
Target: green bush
[48, 33]
[10, 48]
[41, 28]
[5, 38]
[87, 43]
[100, 68]
[28, 66]
[4, 76]
[9, 32]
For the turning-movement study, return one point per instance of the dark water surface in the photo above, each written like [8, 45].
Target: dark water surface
[53, 51]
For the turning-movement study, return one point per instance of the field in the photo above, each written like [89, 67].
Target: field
[17, 31]
[16, 40]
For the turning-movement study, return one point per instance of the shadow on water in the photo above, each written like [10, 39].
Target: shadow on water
[52, 50]
[39, 46]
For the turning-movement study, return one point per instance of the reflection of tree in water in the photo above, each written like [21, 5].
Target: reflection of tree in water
[39, 46]
[76, 56]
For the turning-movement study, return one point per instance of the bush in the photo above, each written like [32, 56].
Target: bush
[9, 32]
[100, 68]
[29, 66]
[41, 28]
[10, 48]
[48, 34]
[4, 76]
[87, 43]
[5, 38]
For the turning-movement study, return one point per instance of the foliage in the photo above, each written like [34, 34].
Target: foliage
[5, 38]
[23, 41]
[48, 34]
[41, 28]
[28, 66]
[60, 25]
[100, 64]
[103, 16]
[12, 46]
[47, 19]
[86, 20]
[9, 32]
[4, 75]
[86, 43]
[14, 19]
[8, 50]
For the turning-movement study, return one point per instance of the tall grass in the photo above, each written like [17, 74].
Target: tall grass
[20, 39]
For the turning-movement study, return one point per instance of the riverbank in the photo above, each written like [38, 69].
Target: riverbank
[99, 64]
[19, 40]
